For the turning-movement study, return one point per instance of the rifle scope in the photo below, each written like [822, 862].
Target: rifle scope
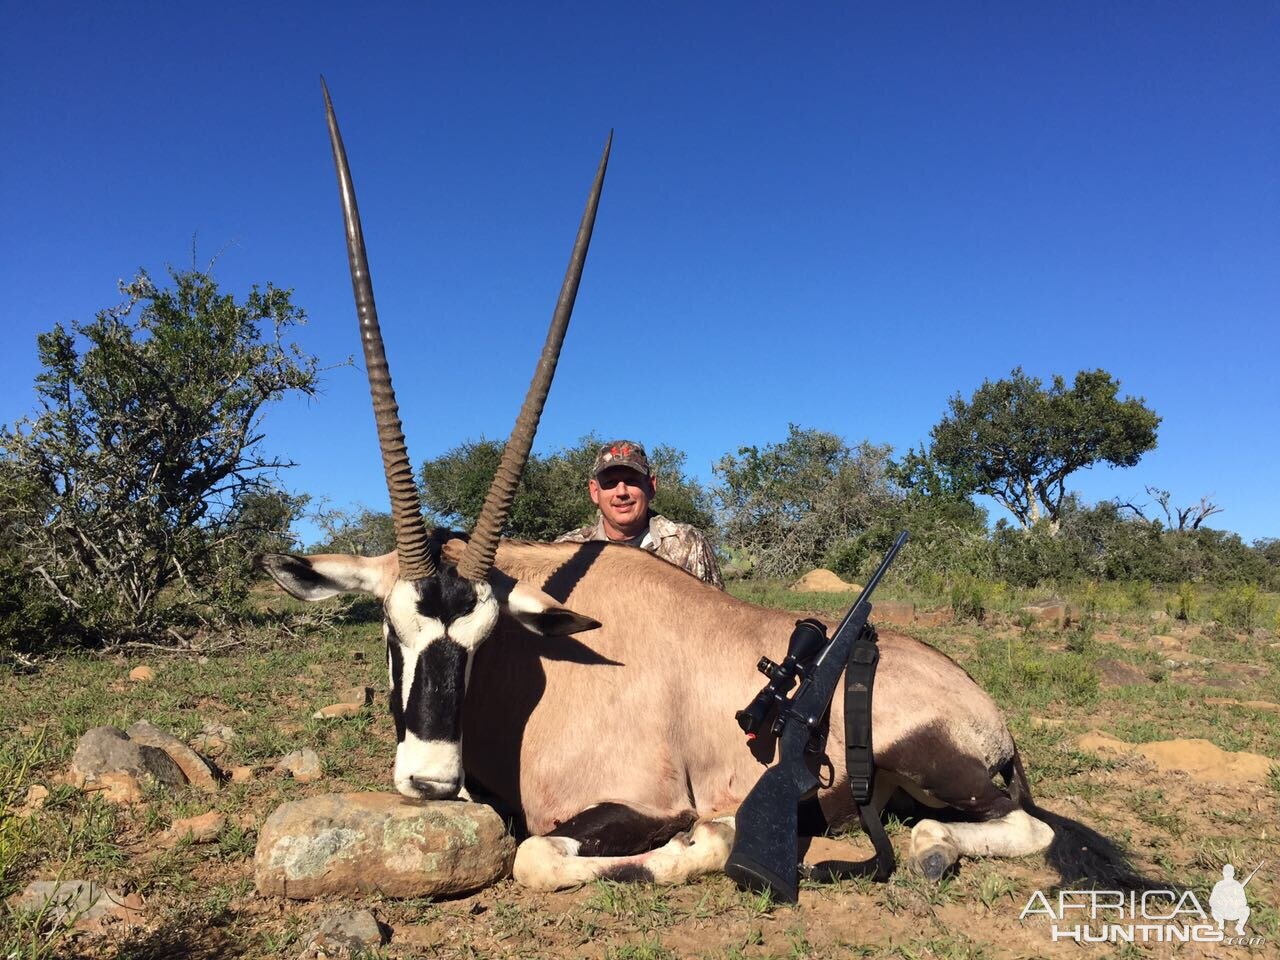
[807, 641]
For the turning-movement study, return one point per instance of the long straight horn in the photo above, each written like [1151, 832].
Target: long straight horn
[406, 510]
[478, 559]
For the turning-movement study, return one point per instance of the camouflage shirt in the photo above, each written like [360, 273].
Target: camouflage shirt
[680, 543]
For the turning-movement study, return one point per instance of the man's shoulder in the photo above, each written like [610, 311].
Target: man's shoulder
[660, 527]
[581, 535]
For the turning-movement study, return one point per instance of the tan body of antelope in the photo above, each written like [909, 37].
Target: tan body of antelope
[590, 689]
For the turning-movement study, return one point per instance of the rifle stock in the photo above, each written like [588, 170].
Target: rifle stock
[766, 834]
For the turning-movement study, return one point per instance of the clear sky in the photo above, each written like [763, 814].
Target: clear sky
[832, 214]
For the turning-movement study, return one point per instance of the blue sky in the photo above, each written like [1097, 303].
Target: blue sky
[836, 215]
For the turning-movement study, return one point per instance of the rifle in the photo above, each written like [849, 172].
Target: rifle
[765, 848]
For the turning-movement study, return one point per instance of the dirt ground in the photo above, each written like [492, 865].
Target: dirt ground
[1055, 686]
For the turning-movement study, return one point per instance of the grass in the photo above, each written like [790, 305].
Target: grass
[639, 904]
[1020, 674]
[203, 892]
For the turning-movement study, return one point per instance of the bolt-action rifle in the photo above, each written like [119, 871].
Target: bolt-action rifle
[765, 848]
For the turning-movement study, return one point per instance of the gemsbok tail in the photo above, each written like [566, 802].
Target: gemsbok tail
[1080, 855]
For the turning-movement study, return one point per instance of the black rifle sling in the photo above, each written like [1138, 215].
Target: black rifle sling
[859, 681]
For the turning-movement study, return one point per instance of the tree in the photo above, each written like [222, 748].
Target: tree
[1018, 442]
[788, 506]
[140, 470]
[363, 532]
[552, 497]
[1177, 518]
[263, 519]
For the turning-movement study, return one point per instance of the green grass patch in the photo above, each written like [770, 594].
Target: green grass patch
[1023, 675]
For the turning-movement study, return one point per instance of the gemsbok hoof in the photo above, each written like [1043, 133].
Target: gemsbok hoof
[934, 863]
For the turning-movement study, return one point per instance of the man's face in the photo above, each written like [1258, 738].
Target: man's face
[623, 495]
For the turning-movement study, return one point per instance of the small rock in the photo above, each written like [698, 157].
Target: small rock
[212, 728]
[890, 611]
[243, 774]
[1186, 660]
[823, 581]
[1159, 616]
[361, 695]
[934, 618]
[84, 903]
[201, 829]
[33, 801]
[214, 739]
[116, 786]
[191, 763]
[337, 710]
[209, 745]
[107, 759]
[1166, 642]
[303, 765]
[1048, 612]
[37, 793]
[362, 843]
[345, 934]
[141, 674]
[1115, 673]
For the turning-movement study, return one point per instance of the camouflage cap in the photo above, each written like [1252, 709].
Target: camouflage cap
[621, 453]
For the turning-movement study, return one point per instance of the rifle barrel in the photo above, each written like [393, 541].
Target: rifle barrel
[876, 577]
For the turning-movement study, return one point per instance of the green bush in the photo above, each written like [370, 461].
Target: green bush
[969, 600]
[139, 488]
[1185, 602]
[1239, 607]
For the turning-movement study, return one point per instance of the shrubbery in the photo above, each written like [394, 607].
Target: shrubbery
[135, 496]
[808, 500]
[130, 505]
[774, 507]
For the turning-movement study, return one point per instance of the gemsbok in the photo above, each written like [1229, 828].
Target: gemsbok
[589, 690]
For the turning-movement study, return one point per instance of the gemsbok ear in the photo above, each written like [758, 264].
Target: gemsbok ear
[329, 574]
[539, 612]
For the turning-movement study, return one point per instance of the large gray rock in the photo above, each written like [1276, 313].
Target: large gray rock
[192, 765]
[358, 843]
[106, 751]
